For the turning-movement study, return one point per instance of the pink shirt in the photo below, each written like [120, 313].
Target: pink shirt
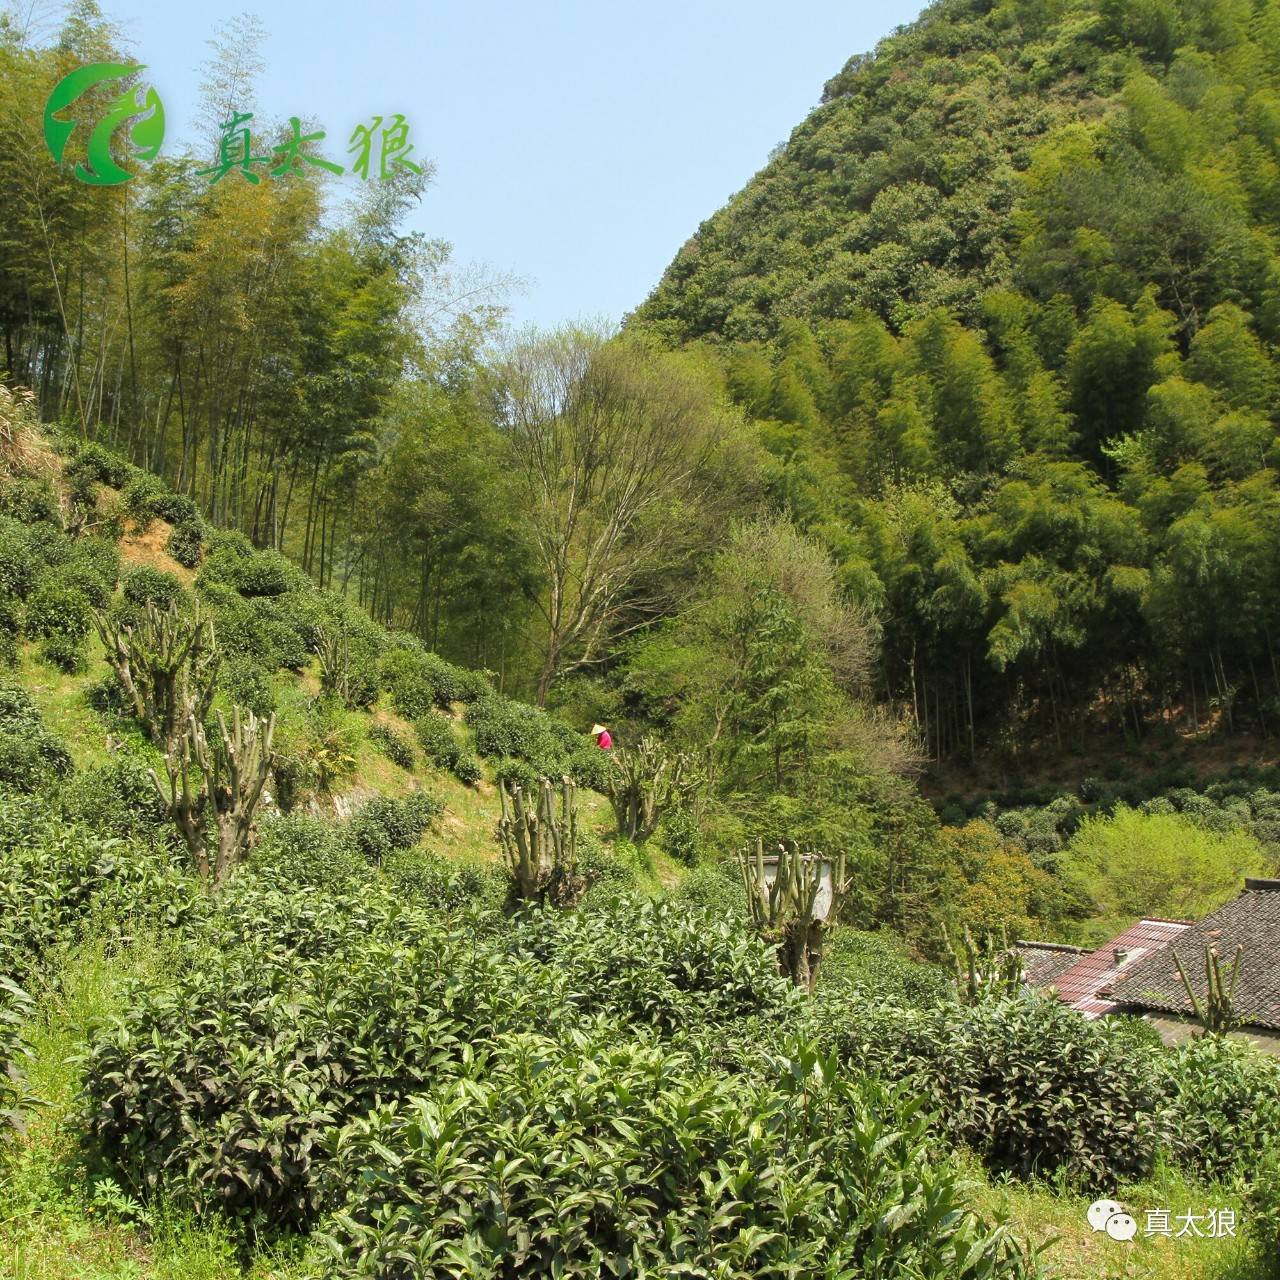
[603, 741]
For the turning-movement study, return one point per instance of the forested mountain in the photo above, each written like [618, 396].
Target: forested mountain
[1006, 306]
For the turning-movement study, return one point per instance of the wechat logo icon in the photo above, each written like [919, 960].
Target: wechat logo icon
[1113, 1218]
[140, 104]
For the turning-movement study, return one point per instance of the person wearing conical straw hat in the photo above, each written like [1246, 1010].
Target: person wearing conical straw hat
[601, 735]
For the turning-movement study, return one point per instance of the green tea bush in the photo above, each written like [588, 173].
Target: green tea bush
[605, 876]
[139, 494]
[1025, 1081]
[15, 1007]
[588, 766]
[506, 728]
[98, 464]
[384, 825]
[715, 887]
[186, 543]
[56, 876]
[220, 1089]
[30, 757]
[467, 770]
[395, 746]
[247, 685]
[656, 964]
[444, 886]
[439, 743]
[61, 616]
[82, 575]
[144, 585]
[1263, 1201]
[877, 966]
[116, 799]
[515, 773]
[680, 835]
[592, 1159]
[419, 681]
[232, 560]
[18, 559]
[29, 499]
[296, 851]
[1226, 1105]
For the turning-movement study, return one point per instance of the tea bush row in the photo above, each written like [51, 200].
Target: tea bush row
[58, 876]
[1024, 1081]
[587, 1159]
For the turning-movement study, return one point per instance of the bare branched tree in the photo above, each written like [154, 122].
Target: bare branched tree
[616, 456]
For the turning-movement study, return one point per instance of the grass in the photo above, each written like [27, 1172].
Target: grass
[1054, 1218]
[60, 697]
[60, 1219]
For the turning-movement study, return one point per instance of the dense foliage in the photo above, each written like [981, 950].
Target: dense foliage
[1005, 305]
[584, 1160]
[1026, 1082]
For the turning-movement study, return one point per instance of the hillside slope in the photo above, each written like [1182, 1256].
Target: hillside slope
[1006, 306]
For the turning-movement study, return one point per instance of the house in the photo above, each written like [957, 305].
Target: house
[1153, 987]
[1082, 978]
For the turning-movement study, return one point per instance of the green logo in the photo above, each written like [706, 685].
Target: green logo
[144, 137]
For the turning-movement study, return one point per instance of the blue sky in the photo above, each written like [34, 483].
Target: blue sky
[577, 145]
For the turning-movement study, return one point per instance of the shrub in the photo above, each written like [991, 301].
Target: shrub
[265, 573]
[186, 543]
[588, 766]
[680, 834]
[504, 727]
[442, 885]
[139, 496]
[467, 770]
[515, 773]
[1226, 1105]
[29, 756]
[877, 966]
[116, 799]
[18, 562]
[545, 1160]
[1135, 864]
[143, 585]
[296, 851]
[1026, 1082]
[323, 747]
[15, 1008]
[395, 746]
[605, 876]
[231, 560]
[29, 499]
[57, 875]
[437, 740]
[219, 1089]
[715, 887]
[419, 681]
[657, 964]
[99, 464]
[64, 652]
[1263, 1199]
[247, 685]
[58, 609]
[384, 825]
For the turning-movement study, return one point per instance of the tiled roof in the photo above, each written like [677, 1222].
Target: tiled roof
[1079, 985]
[1042, 962]
[1251, 921]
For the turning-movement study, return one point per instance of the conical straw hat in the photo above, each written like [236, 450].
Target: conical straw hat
[598, 728]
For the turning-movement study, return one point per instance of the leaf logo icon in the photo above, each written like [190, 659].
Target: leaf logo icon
[144, 108]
